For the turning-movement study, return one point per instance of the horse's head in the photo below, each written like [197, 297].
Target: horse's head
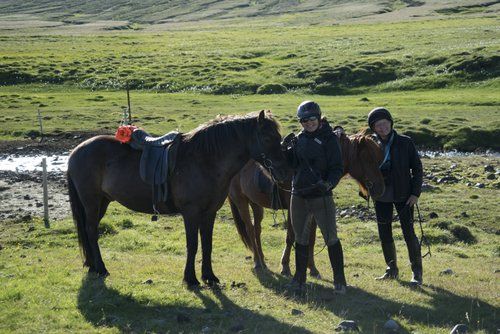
[265, 147]
[363, 165]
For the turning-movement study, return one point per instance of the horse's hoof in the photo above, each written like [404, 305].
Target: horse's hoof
[210, 280]
[286, 272]
[192, 283]
[99, 273]
[315, 274]
[259, 267]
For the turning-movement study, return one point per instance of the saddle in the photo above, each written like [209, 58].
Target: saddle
[157, 160]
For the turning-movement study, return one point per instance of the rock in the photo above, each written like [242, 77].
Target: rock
[433, 215]
[459, 329]
[447, 179]
[428, 187]
[489, 168]
[464, 215]
[347, 326]
[364, 99]
[491, 177]
[496, 270]
[453, 166]
[182, 318]
[38, 204]
[391, 326]
[447, 272]
[148, 281]
[27, 197]
[479, 185]
[475, 175]
[297, 312]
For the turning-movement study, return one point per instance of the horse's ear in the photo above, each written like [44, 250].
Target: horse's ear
[262, 115]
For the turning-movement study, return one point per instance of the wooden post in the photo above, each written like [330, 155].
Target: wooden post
[40, 123]
[129, 111]
[45, 194]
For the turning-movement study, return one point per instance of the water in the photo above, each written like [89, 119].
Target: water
[15, 163]
[59, 163]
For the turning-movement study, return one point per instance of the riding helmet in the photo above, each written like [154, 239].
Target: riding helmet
[377, 114]
[308, 109]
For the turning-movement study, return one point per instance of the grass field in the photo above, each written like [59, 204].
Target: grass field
[45, 289]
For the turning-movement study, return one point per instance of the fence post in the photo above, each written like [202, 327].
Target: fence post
[45, 194]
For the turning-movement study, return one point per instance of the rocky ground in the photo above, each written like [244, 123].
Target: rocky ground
[21, 194]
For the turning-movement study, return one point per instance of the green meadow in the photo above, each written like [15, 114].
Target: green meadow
[434, 65]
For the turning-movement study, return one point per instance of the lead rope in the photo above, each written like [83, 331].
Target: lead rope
[423, 238]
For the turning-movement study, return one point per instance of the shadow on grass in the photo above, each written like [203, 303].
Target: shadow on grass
[371, 311]
[105, 307]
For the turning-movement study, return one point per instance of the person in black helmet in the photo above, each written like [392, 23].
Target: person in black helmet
[402, 171]
[316, 159]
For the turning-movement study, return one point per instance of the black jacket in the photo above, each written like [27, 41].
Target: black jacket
[406, 172]
[315, 157]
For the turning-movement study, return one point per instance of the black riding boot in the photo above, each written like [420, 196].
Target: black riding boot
[416, 261]
[336, 256]
[299, 279]
[392, 271]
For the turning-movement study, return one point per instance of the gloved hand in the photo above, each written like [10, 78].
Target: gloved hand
[288, 141]
[324, 186]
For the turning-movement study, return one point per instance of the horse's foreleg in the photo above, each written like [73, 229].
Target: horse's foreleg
[206, 233]
[313, 271]
[258, 215]
[191, 226]
[290, 238]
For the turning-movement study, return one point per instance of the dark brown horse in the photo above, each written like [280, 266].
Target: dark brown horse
[101, 170]
[361, 157]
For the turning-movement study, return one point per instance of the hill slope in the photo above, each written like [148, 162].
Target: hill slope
[163, 11]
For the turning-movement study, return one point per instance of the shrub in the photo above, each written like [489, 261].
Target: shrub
[271, 89]
[463, 234]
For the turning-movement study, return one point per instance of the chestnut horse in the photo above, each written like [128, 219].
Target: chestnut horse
[101, 170]
[361, 157]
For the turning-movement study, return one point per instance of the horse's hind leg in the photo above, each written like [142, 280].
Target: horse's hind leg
[258, 215]
[290, 238]
[93, 214]
[313, 271]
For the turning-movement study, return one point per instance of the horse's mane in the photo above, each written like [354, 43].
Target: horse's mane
[218, 134]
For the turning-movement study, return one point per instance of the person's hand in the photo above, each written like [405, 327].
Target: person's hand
[324, 186]
[412, 200]
[339, 131]
[289, 140]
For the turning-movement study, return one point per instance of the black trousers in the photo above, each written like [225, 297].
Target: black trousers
[384, 212]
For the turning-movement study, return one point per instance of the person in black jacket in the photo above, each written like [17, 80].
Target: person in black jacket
[402, 171]
[316, 159]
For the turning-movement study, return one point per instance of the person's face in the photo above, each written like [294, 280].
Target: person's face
[382, 127]
[310, 124]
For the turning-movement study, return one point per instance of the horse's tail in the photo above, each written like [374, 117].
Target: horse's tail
[240, 224]
[79, 218]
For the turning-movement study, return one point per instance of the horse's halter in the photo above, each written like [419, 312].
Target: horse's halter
[262, 158]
